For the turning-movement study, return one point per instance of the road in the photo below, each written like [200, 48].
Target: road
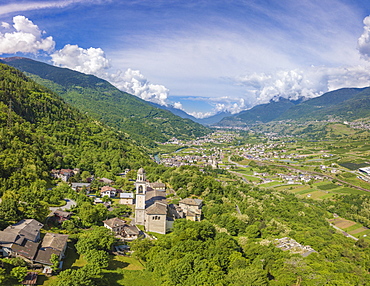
[343, 232]
[70, 203]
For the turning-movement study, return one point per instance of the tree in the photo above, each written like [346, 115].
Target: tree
[91, 214]
[3, 276]
[85, 175]
[97, 258]
[68, 225]
[252, 231]
[362, 243]
[19, 273]
[247, 277]
[55, 260]
[98, 238]
[71, 277]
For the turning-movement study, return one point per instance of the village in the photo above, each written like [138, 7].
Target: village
[152, 214]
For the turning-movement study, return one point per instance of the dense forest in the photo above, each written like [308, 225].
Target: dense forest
[40, 132]
[143, 122]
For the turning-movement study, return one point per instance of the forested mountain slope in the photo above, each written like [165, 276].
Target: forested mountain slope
[102, 101]
[328, 104]
[259, 113]
[345, 103]
[39, 132]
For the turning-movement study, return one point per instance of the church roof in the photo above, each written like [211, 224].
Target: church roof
[192, 202]
[141, 171]
[158, 209]
[153, 196]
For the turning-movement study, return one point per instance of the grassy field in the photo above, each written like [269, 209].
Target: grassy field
[271, 184]
[351, 227]
[128, 271]
[122, 270]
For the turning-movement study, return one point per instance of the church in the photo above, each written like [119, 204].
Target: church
[153, 211]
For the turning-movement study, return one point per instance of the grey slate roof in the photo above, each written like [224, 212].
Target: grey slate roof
[126, 195]
[54, 240]
[26, 228]
[114, 222]
[158, 208]
[44, 255]
[192, 202]
[26, 249]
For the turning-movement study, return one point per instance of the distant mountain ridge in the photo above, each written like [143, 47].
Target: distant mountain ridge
[204, 121]
[344, 103]
[259, 113]
[101, 100]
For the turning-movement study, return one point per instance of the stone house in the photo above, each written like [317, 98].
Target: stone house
[120, 227]
[192, 208]
[126, 198]
[53, 243]
[115, 224]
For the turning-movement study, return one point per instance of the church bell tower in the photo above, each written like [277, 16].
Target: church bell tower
[141, 186]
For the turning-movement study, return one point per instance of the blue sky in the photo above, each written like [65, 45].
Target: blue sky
[220, 55]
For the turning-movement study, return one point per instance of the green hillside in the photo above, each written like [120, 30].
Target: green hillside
[39, 132]
[351, 109]
[102, 101]
[259, 113]
[345, 104]
[323, 106]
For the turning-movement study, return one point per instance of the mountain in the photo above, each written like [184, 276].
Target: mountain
[213, 119]
[259, 113]
[326, 105]
[40, 132]
[344, 104]
[175, 111]
[102, 101]
[204, 121]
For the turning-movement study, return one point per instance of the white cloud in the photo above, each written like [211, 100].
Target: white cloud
[233, 106]
[36, 5]
[202, 114]
[27, 38]
[132, 81]
[220, 104]
[89, 61]
[178, 105]
[93, 61]
[364, 40]
[5, 25]
[311, 82]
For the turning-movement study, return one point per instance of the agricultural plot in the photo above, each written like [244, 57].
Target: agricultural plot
[351, 227]
[342, 223]
[270, 184]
